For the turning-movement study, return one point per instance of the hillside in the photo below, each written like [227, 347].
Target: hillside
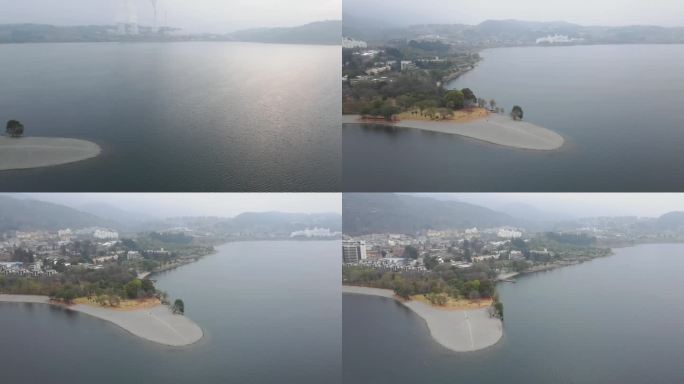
[381, 213]
[321, 32]
[20, 214]
[512, 32]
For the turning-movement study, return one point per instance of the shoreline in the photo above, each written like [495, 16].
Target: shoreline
[494, 129]
[456, 330]
[156, 324]
[38, 152]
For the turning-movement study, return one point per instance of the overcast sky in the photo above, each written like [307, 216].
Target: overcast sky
[585, 12]
[581, 205]
[201, 204]
[193, 16]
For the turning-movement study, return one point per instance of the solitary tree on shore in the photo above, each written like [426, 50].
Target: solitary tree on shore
[517, 113]
[178, 307]
[15, 128]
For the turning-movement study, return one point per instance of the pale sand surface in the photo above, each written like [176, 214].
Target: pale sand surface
[36, 152]
[495, 129]
[155, 324]
[457, 330]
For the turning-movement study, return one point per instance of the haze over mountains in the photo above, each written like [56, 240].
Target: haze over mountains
[29, 214]
[322, 32]
[509, 32]
[409, 214]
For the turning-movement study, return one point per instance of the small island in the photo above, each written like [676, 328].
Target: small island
[19, 152]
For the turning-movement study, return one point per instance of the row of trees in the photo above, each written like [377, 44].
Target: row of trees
[442, 282]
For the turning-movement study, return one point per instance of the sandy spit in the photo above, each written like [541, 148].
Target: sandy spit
[457, 330]
[155, 324]
[495, 129]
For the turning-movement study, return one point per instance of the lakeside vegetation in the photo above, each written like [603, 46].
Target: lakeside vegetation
[439, 286]
[408, 78]
[107, 286]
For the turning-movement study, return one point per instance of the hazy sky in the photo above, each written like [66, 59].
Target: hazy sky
[194, 16]
[586, 12]
[201, 204]
[582, 205]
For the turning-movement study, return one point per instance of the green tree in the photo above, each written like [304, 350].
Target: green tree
[517, 113]
[133, 288]
[454, 99]
[468, 95]
[498, 307]
[15, 128]
[178, 307]
[410, 252]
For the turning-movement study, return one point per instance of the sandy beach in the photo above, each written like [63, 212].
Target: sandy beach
[457, 330]
[495, 129]
[155, 324]
[36, 152]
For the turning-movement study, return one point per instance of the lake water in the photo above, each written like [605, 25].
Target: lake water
[179, 116]
[271, 313]
[618, 107]
[611, 320]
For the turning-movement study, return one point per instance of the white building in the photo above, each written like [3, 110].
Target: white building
[378, 70]
[348, 42]
[507, 233]
[65, 234]
[407, 65]
[105, 234]
[316, 232]
[558, 39]
[353, 251]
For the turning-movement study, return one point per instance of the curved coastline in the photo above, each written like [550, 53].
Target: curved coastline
[155, 324]
[457, 330]
[38, 152]
[495, 129]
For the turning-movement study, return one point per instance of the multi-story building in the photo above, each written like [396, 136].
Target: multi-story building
[353, 251]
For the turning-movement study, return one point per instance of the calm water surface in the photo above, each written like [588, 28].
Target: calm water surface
[612, 320]
[179, 116]
[618, 107]
[270, 311]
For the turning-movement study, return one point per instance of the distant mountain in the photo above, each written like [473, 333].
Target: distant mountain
[671, 220]
[513, 32]
[381, 213]
[532, 213]
[288, 221]
[22, 214]
[266, 225]
[321, 32]
[113, 213]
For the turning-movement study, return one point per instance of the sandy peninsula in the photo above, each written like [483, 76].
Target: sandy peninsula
[37, 152]
[457, 330]
[156, 324]
[492, 128]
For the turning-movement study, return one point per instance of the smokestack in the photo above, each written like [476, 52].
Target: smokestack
[155, 26]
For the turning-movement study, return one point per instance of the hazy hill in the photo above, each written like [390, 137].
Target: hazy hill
[21, 214]
[671, 220]
[511, 32]
[380, 213]
[251, 225]
[321, 32]
[113, 213]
